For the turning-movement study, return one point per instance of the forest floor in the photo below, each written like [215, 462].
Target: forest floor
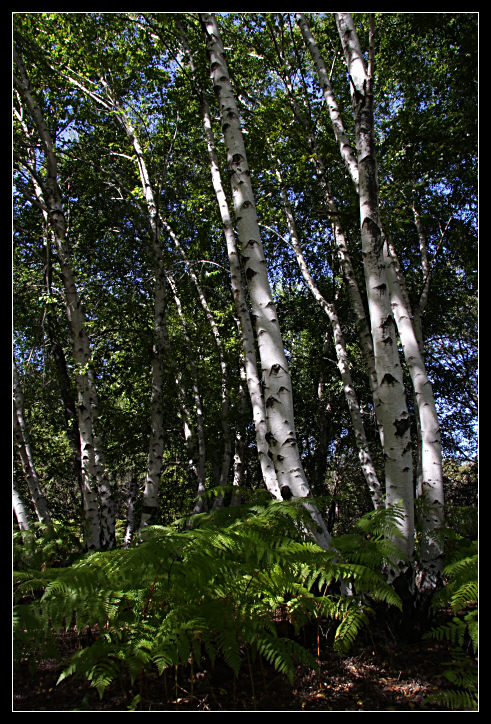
[376, 675]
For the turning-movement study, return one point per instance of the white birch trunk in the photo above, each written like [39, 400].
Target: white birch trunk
[392, 406]
[242, 310]
[224, 391]
[277, 384]
[239, 461]
[364, 456]
[430, 486]
[347, 152]
[156, 442]
[19, 507]
[93, 471]
[22, 439]
[408, 325]
[341, 246]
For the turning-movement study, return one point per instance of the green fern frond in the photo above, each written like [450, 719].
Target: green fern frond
[214, 589]
[382, 523]
[284, 653]
[464, 596]
[461, 591]
[457, 699]
[463, 568]
[353, 618]
[453, 632]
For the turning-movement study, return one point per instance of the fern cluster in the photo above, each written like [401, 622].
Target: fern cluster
[46, 546]
[215, 589]
[460, 594]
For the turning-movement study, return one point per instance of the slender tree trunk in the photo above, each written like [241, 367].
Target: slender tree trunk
[224, 387]
[277, 383]
[50, 322]
[19, 506]
[242, 310]
[22, 439]
[365, 458]
[193, 429]
[240, 448]
[324, 417]
[62, 376]
[428, 425]
[341, 244]
[94, 475]
[430, 487]
[348, 154]
[429, 451]
[392, 406]
[150, 506]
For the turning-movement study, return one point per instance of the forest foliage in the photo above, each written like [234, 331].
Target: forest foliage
[128, 341]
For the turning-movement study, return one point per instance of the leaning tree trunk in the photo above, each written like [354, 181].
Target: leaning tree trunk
[239, 297]
[19, 506]
[344, 368]
[50, 323]
[276, 378]
[22, 439]
[347, 152]
[392, 406]
[247, 335]
[340, 243]
[150, 505]
[98, 532]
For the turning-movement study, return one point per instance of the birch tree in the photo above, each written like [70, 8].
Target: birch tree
[430, 446]
[156, 443]
[392, 405]
[108, 101]
[133, 170]
[239, 296]
[428, 427]
[364, 455]
[98, 532]
[19, 506]
[21, 437]
[276, 379]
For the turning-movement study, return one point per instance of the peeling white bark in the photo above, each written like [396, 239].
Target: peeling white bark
[94, 476]
[276, 378]
[364, 456]
[19, 507]
[392, 407]
[30, 472]
[242, 310]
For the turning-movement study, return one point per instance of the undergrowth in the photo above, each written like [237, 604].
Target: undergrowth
[183, 595]
[218, 587]
[460, 595]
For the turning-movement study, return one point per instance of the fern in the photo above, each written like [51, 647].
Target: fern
[461, 594]
[45, 546]
[215, 589]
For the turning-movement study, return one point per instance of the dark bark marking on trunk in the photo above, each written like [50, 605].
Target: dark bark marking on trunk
[388, 379]
[401, 426]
